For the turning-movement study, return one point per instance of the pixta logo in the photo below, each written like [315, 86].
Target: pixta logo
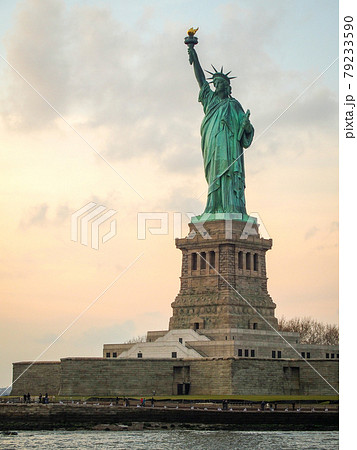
[157, 223]
[90, 216]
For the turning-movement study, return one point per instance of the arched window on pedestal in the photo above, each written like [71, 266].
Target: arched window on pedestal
[212, 259]
[255, 262]
[240, 260]
[203, 260]
[194, 261]
[247, 261]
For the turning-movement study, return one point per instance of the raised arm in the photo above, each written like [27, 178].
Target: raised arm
[193, 58]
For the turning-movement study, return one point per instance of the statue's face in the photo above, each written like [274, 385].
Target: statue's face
[221, 86]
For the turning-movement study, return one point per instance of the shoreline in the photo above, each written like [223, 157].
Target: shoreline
[118, 418]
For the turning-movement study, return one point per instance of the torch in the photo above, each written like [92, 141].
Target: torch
[191, 40]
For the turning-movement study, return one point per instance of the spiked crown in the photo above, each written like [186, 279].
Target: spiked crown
[220, 74]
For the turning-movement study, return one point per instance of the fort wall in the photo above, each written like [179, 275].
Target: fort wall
[35, 378]
[207, 376]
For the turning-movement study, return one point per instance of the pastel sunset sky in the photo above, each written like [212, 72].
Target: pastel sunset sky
[116, 121]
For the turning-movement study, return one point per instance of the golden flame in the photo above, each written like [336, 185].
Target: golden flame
[192, 31]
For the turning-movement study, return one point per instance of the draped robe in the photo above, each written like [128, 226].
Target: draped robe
[223, 153]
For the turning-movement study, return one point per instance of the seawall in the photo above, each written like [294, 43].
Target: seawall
[71, 417]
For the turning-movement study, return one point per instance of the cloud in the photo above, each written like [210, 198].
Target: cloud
[63, 213]
[317, 108]
[36, 48]
[116, 333]
[94, 336]
[39, 215]
[334, 227]
[36, 216]
[311, 232]
[181, 200]
[142, 95]
[325, 247]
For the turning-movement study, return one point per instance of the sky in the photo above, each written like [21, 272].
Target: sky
[99, 104]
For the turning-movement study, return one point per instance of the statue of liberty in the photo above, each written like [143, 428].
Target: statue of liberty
[225, 132]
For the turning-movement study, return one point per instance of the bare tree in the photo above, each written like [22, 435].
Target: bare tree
[331, 335]
[311, 331]
[136, 339]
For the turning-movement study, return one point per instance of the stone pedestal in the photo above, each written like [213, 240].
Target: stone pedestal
[223, 278]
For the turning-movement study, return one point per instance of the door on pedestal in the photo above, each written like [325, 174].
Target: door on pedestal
[183, 388]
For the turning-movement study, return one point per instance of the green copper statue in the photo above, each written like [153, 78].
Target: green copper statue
[225, 131]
